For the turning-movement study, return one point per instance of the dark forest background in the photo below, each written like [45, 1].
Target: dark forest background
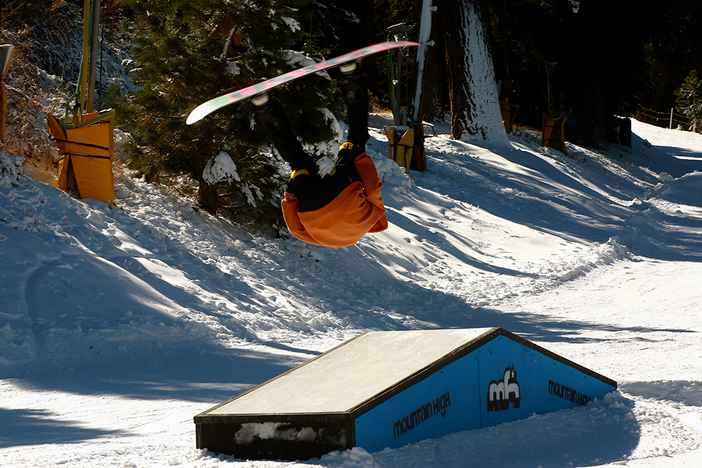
[622, 56]
[593, 60]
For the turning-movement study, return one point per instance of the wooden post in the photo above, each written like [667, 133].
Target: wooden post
[6, 52]
[94, 34]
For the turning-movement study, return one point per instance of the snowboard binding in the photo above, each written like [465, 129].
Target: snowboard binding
[268, 114]
[352, 81]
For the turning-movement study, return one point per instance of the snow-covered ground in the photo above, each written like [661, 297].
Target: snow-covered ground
[119, 324]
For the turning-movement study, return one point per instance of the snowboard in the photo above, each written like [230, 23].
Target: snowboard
[212, 105]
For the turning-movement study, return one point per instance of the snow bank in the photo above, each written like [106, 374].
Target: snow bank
[684, 190]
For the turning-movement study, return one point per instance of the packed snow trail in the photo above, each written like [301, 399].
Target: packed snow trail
[119, 324]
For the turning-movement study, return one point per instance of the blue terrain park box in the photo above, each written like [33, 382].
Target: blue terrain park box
[389, 389]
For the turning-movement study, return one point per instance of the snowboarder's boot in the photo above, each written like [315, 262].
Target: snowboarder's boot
[354, 89]
[269, 116]
[352, 81]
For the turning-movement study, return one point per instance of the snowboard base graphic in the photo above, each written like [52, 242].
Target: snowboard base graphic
[212, 105]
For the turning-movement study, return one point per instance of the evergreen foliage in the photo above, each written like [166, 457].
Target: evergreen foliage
[689, 99]
[189, 51]
[326, 21]
[674, 50]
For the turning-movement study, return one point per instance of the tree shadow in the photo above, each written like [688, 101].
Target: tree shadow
[686, 392]
[34, 427]
[546, 193]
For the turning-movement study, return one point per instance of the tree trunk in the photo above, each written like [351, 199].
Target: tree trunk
[208, 197]
[475, 108]
[432, 99]
[353, 36]
[591, 123]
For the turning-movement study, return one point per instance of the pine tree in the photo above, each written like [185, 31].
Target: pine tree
[189, 51]
[689, 99]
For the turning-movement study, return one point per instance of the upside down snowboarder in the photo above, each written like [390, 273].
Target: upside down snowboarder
[339, 208]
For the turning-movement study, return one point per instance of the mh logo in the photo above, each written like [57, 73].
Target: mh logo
[503, 392]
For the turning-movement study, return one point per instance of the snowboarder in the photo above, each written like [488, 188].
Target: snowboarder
[337, 209]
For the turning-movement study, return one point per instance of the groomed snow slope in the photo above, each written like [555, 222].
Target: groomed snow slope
[119, 324]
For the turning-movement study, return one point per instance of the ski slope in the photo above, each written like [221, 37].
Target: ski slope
[119, 324]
